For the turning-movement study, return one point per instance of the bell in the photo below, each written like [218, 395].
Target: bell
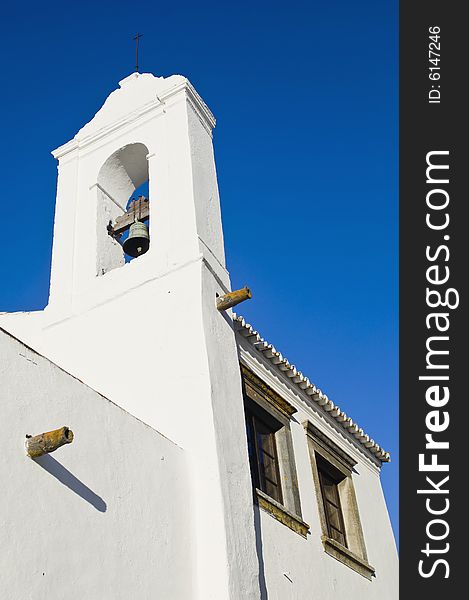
[138, 240]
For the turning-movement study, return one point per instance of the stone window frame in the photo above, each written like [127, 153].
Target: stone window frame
[266, 400]
[354, 555]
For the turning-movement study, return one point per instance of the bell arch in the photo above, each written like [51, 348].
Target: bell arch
[121, 174]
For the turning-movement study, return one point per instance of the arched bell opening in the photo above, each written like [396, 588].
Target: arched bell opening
[123, 207]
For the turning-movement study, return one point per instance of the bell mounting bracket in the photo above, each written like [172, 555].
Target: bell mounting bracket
[138, 210]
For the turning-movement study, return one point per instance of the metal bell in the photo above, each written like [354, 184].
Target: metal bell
[138, 240]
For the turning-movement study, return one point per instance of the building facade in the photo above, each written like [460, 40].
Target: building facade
[264, 488]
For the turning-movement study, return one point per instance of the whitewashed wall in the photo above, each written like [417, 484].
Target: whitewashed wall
[107, 516]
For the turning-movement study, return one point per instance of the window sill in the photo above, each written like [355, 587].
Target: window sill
[345, 556]
[281, 513]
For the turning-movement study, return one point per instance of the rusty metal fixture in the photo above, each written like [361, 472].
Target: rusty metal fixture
[233, 298]
[138, 241]
[136, 39]
[48, 442]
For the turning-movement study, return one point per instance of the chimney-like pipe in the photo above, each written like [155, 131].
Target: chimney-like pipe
[233, 298]
[48, 442]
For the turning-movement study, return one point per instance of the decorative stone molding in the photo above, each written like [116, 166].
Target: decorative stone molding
[281, 513]
[344, 555]
[324, 443]
[258, 390]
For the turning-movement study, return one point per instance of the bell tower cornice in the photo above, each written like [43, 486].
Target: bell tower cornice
[146, 93]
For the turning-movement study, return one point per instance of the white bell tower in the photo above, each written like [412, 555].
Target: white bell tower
[153, 129]
[147, 334]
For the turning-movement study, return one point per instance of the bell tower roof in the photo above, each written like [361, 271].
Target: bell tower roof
[137, 94]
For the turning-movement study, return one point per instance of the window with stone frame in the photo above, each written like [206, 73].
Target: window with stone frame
[262, 446]
[270, 447]
[329, 481]
[333, 469]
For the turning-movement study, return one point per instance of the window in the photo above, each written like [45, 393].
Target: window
[329, 479]
[263, 454]
[337, 504]
[271, 455]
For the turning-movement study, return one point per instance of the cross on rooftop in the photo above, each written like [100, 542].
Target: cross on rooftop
[137, 38]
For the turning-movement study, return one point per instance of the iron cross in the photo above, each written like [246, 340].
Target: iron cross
[137, 38]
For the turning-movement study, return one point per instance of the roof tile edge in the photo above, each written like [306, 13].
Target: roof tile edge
[269, 352]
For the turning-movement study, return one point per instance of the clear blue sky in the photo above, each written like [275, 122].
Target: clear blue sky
[305, 94]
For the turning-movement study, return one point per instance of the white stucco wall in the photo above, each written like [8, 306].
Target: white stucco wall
[107, 516]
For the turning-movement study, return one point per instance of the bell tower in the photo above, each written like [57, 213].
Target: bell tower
[146, 333]
[151, 129]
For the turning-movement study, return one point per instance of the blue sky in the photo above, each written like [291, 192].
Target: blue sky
[305, 95]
